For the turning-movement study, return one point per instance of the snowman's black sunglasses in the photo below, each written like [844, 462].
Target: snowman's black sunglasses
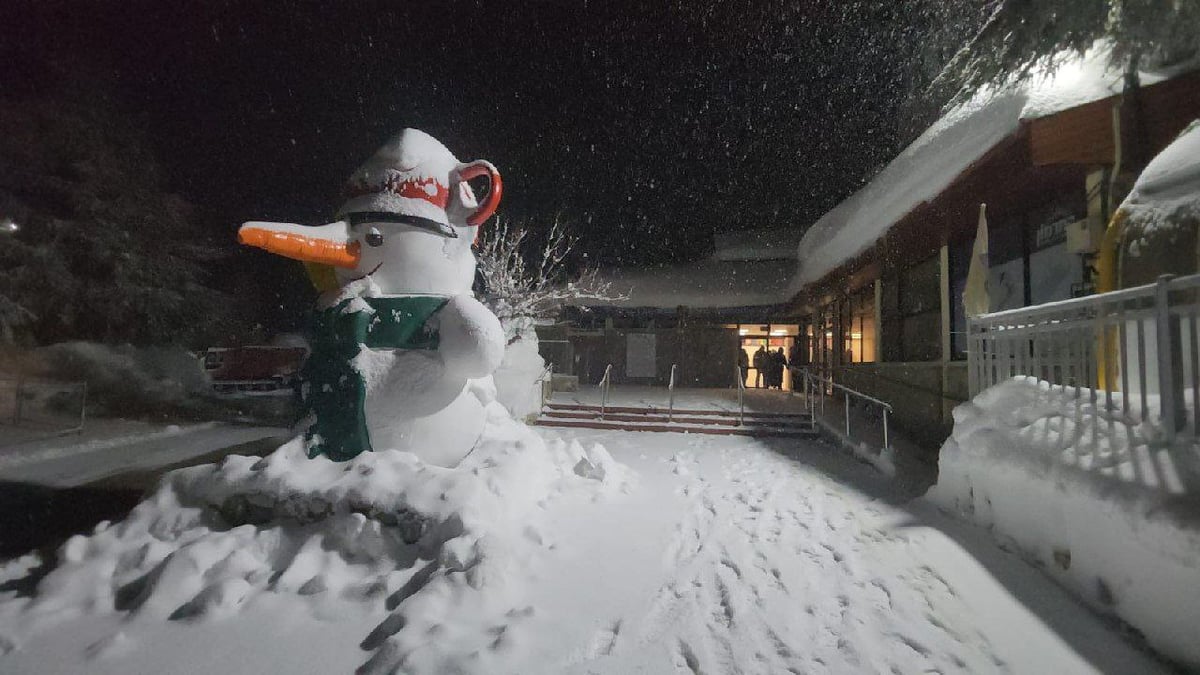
[415, 221]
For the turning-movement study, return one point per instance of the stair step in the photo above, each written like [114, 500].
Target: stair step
[689, 412]
[677, 418]
[791, 431]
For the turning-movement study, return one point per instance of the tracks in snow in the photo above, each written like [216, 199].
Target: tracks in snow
[777, 569]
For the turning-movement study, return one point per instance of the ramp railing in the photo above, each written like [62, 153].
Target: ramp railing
[817, 389]
[741, 383]
[605, 382]
[671, 399]
[544, 381]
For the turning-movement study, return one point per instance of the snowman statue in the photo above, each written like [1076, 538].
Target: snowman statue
[402, 352]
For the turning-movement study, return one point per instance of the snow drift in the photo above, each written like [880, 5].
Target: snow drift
[426, 551]
[1107, 507]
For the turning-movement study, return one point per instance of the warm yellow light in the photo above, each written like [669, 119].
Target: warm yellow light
[743, 331]
[779, 331]
[856, 336]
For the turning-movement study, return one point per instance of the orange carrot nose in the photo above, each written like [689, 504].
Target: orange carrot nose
[301, 247]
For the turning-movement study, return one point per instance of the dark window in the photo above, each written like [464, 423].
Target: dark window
[920, 312]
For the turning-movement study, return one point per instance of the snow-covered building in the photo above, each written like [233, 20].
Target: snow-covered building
[696, 316]
[881, 276]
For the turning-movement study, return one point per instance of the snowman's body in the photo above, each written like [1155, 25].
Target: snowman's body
[425, 399]
[402, 352]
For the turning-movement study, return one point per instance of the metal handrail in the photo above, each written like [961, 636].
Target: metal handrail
[541, 379]
[810, 379]
[741, 396]
[671, 400]
[605, 382]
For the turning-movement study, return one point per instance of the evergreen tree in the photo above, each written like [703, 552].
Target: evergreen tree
[1020, 37]
[102, 251]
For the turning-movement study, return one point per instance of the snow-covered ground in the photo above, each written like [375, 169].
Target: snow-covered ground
[545, 553]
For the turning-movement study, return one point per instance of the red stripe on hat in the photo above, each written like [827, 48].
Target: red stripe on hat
[427, 189]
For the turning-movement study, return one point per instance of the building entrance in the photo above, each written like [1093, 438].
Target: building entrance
[770, 338]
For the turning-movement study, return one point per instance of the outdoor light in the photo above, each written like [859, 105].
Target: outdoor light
[7, 226]
[743, 331]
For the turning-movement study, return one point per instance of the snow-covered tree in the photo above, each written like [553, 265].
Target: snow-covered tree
[102, 250]
[1021, 37]
[12, 316]
[524, 282]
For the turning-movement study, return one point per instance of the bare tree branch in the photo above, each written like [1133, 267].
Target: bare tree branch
[518, 291]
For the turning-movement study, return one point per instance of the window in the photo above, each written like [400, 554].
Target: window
[859, 331]
[917, 317]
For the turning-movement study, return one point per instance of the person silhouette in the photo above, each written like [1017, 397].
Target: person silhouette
[761, 361]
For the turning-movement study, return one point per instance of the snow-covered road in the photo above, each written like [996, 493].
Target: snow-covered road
[69, 461]
[735, 556]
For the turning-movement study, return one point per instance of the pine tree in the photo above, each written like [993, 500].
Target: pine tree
[103, 252]
[1021, 37]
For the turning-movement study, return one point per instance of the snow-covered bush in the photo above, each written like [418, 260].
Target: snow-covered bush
[521, 293]
[125, 380]
[518, 385]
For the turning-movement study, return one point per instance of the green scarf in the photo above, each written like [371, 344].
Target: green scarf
[333, 391]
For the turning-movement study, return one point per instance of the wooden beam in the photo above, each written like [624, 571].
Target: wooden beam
[944, 283]
[878, 319]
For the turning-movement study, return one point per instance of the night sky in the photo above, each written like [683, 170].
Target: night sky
[644, 129]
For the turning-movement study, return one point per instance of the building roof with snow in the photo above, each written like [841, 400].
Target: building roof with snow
[774, 243]
[709, 284]
[949, 148]
[751, 268]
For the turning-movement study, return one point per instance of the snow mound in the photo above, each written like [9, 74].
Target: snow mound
[434, 551]
[1164, 204]
[1107, 507]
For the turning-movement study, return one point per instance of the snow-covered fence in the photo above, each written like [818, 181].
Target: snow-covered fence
[42, 405]
[1135, 348]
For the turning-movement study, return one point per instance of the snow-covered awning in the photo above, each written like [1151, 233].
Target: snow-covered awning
[775, 243]
[946, 149]
[709, 284]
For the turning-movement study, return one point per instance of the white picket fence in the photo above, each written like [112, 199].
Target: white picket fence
[1135, 349]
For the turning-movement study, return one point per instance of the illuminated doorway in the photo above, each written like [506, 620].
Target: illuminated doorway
[771, 338]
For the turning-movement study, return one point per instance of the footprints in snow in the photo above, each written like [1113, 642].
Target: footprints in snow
[766, 556]
[603, 641]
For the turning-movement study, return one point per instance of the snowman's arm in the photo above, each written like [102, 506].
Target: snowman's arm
[471, 341]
